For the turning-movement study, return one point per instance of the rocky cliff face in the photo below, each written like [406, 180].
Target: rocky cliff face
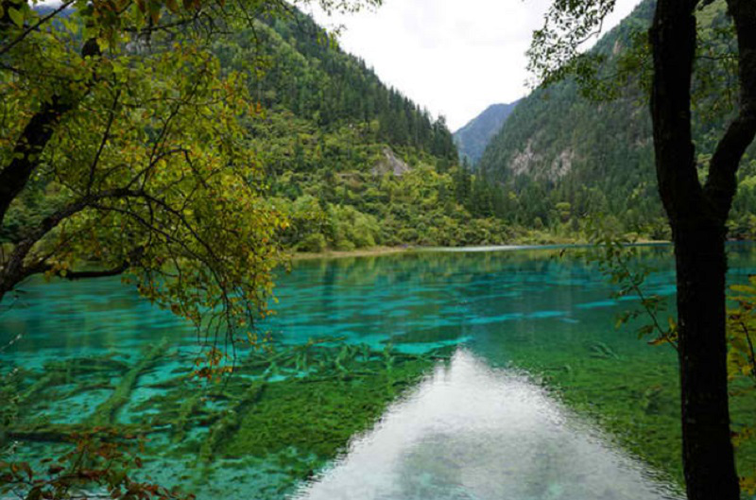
[390, 163]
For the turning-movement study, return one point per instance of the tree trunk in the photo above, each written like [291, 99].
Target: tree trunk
[708, 456]
[29, 146]
[37, 133]
[698, 222]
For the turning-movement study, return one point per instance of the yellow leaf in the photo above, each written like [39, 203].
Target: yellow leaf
[743, 289]
[672, 323]
[748, 484]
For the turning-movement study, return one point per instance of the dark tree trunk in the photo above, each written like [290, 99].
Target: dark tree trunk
[698, 216]
[707, 450]
[708, 459]
[29, 146]
[37, 133]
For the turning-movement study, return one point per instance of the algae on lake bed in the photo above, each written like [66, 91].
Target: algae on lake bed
[635, 400]
[320, 417]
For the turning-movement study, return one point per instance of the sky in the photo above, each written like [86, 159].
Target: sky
[453, 57]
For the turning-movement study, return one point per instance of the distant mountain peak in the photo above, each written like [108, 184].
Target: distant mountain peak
[473, 138]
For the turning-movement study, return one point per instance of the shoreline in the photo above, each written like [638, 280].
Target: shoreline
[361, 252]
[382, 250]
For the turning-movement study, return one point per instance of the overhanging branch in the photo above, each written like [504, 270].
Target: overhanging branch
[16, 269]
[34, 138]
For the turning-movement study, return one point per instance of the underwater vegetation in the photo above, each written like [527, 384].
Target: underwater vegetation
[284, 415]
[633, 399]
[278, 419]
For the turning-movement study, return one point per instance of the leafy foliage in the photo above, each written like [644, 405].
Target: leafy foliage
[618, 261]
[101, 460]
[741, 362]
[742, 322]
[150, 177]
[125, 150]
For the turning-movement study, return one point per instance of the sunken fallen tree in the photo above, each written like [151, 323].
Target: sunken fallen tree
[295, 406]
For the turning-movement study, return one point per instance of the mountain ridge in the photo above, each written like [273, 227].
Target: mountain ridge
[473, 137]
[561, 158]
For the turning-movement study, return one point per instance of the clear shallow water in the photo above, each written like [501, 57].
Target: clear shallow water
[509, 309]
[471, 432]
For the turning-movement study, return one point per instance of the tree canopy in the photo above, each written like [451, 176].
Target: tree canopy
[120, 126]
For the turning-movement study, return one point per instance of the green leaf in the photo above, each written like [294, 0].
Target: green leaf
[16, 16]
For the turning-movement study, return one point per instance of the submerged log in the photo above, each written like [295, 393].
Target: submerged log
[84, 366]
[188, 409]
[48, 380]
[68, 433]
[105, 413]
[63, 372]
[172, 382]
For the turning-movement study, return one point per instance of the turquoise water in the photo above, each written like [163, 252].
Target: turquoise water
[509, 312]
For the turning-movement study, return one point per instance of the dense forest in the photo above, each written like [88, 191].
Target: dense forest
[563, 156]
[351, 162]
[354, 163]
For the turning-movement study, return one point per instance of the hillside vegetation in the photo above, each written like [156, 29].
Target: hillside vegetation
[350, 161]
[354, 163]
[562, 156]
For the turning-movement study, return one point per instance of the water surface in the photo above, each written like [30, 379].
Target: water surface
[471, 432]
[489, 425]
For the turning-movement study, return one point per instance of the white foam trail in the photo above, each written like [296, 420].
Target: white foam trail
[470, 432]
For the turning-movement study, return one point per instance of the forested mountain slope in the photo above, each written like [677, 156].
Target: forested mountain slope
[561, 156]
[472, 139]
[353, 162]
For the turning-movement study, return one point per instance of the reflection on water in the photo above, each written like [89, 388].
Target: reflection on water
[471, 432]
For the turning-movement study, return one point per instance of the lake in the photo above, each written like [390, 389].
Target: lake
[480, 374]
